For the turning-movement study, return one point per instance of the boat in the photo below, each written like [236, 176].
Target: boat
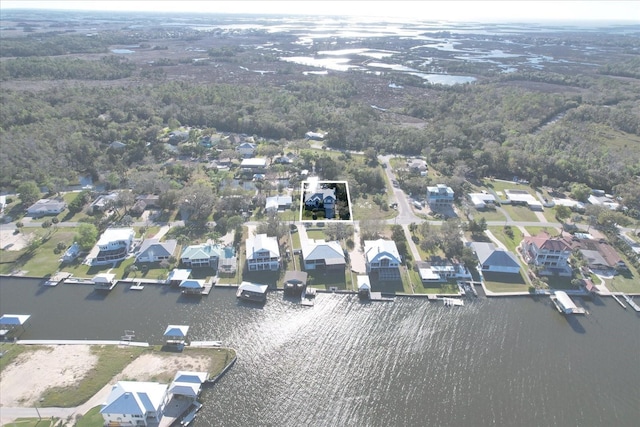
[451, 302]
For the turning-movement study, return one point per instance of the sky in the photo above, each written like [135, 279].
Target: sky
[480, 11]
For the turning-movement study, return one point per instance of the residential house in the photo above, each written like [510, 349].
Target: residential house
[104, 202]
[135, 403]
[523, 198]
[602, 199]
[278, 203]
[152, 250]
[117, 145]
[318, 255]
[263, 253]
[114, 245]
[254, 164]
[417, 166]
[482, 200]
[321, 198]
[496, 260]
[382, 258]
[44, 207]
[150, 200]
[314, 136]
[178, 136]
[550, 255]
[71, 253]
[247, 149]
[207, 255]
[440, 196]
[599, 254]
[440, 270]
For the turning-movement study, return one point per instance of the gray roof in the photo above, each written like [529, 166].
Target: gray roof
[319, 249]
[488, 254]
[157, 248]
[295, 277]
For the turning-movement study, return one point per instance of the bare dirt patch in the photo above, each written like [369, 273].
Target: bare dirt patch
[22, 383]
[13, 242]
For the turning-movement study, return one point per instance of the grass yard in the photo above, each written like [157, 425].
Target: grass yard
[489, 215]
[45, 422]
[43, 261]
[93, 418]
[520, 213]
[510, 243]
[367, 209]
[330, 279]
[625, 281]
[534, 231]
[316, 234]
[505, 282]
[433, 288]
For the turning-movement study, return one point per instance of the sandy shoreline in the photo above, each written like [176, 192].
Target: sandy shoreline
[33, 372]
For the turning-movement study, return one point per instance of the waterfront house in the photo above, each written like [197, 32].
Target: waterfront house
[135, 403]
[114, 245]
[600, 256]
[253, 292]
[439, 269]
[550, 255]
[321, 198]
[208, 255]
[321, 255]
[277, 203]
[440, 196]
[382, 258]
[263, 253]
[44, 207]
[492, 259]
[152, 250]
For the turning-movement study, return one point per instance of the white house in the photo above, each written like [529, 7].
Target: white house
[481, 200]
[255, 164]
[246, 149]
[263, 253]
[439, 196]
[46, 207]
[497, 260]
[440, 270]
[318, 254]
[152, 250]
[278, 203]
[104, 201]
[114, 245]
[382, 257]
[135, 403]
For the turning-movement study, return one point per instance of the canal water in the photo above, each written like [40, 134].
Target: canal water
[411, 362]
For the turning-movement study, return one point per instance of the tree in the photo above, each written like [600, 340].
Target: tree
[562, 212]
[451, 239]
[371, 229]
[580, 191]
[87, 236]
[198, 201]
[272, 226]
[28, 192]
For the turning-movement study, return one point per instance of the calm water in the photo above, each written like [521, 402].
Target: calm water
[493, 362]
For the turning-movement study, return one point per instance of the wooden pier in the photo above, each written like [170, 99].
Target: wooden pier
[54, 280]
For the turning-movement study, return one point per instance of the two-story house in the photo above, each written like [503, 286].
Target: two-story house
[322, 198]
[551, 255]
[207, 255]
[439, 196]
[114, 245]
[382, 257]
[263, 253]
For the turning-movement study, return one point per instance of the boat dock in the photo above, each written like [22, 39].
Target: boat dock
[631, 303]
[377, 296]
[54, 280]
[452, 302]
[194, 408]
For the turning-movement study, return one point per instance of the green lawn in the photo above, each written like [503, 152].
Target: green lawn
[330, 279]
[500, 234]
[433, 288]
[36, 422]
[520, 213]
[316, 234]
[295, 240]
[505, 282]
[489, 214]
[43, 261]
[625, 281]
[534, 231]
[93, 418]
